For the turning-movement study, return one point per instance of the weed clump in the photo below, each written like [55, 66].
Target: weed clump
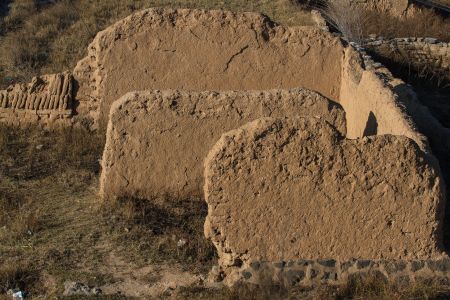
[17, 276]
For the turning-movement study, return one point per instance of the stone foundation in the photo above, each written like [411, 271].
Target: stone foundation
[316, 272]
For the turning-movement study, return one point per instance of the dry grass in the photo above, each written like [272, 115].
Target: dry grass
[368, 288]
[445, 2]
[376, 288]
[32, 153]
[163, 230]
[16, 276]
[356, 23]
[423, 23]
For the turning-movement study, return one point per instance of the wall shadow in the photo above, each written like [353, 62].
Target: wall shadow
[4, 8]
[371, 125]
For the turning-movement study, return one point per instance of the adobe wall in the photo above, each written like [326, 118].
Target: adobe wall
[204, 50]
[216, 50]
[157, 140]
[377, 103]
[372, 106]
[45, 100]
[294, 188]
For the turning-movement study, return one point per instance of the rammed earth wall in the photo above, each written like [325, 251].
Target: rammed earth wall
[204, 50]
[288, 188]
[157, 140]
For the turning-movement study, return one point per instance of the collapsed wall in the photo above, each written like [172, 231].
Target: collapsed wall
[421, 53]
[203, 50]
[157, 140]
[45, 100]
[152, 138]
[289, 189]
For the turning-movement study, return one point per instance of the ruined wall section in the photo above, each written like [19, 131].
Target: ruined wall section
[46, 99]
[371, 104]
[157, 140]
[204, 50]
[419, 52]
[377, 103]
[293, 188]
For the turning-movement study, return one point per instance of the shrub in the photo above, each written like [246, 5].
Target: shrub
[344, 17]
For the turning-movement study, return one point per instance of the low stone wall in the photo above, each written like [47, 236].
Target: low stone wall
[157, 140]
[294, 188]
[316, 272]
[45, 100]
[418, 52]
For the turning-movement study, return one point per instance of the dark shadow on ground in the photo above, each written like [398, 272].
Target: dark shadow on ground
[4, 8]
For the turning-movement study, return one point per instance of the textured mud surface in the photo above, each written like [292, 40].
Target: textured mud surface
[204, 50]
[157, 141]
[294, 188]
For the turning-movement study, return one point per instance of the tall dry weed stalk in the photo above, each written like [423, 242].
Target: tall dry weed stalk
[344, 17]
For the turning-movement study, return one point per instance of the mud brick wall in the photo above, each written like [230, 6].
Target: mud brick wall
[45, 99]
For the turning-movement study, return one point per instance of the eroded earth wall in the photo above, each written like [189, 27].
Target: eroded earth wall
[44, 100]
[204, 50]
[157, 140]
[287, 189]
[371, 103]
[377, 103]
